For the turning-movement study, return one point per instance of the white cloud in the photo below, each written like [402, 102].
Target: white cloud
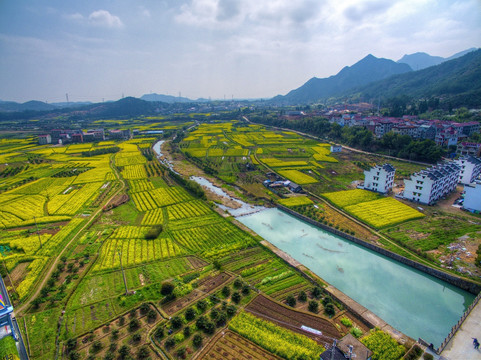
[105, 18]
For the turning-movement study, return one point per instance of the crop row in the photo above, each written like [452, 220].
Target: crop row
[25, 207]
[134, 172]
[59, 237]
[210, 237]
[193, 222]
[29, 245]
[34, 270]
[69, 204]
[297, 177]
[148, 200]
[296, 201]
[273, 162]
[136, 251]
[274, 338]
[350, 197]
[130, 158]
[153, 217]
[140, 185]
[383, 212]
[188, 209]
[130, 232]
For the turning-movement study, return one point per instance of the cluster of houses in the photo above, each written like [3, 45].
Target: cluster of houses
[67, 136]
[443, 133]
[429, 185]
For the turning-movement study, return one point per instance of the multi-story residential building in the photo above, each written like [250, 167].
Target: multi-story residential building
[470, 169]
[383, 127]
[472, 197]
[468, 148]
[44, 139]
[379, 178]
[468, 128]
[429, 185]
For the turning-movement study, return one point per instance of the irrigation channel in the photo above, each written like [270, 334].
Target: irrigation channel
[417, 304]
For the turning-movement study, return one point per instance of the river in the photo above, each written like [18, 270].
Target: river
[411, 301]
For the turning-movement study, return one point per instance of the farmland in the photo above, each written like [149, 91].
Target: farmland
[89, 279]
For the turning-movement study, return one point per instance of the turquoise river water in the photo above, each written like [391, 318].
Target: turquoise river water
[411, 301]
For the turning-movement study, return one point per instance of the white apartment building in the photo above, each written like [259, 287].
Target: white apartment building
[379, 178]
[429, 185]
[470, 169]
[472, 197]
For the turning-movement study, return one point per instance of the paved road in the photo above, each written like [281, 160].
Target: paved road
[461, 345]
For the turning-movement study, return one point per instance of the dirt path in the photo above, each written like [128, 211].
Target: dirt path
[19, 311]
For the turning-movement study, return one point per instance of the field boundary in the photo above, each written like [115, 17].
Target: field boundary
[472, 287]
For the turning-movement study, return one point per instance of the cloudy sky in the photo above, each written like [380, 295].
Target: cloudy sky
[101, 49]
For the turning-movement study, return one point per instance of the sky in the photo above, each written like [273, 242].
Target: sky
[105, 49]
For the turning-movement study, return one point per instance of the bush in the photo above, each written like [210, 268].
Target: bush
[186, 332]
[356, 332]
[143, 352]
[96, 347]
[237, 283]
[201, 305]
[346, 322]
[159, 333]
[151, 315]
[327, 300]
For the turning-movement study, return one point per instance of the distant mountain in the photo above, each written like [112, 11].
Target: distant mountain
[421, 60]
[164, 98]
[29, 105]
[456, 81]
[363, 72]
[127, 107]
[12, 106]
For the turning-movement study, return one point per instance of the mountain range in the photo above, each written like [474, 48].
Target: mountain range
[421, 60]
[351, 79]
[456, 78]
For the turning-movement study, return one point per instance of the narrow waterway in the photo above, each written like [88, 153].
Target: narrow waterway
[411, 301]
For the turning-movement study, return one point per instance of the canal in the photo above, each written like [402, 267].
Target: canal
[411, 301]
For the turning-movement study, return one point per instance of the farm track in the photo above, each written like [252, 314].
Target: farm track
[19, 311]
[292, 319]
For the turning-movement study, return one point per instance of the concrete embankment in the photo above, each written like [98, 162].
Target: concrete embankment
[472, 287]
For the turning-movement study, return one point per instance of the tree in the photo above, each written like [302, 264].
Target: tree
[167, 288]
[313, 306]
[143, 352]
[134, 325]
[236, 297]
[124, 351]
[329, 309]
[226, 291]
[197, 341]
[316, 292]
[189, 314]
[291, 300]
[302, 296]
[176, 322]
[151, 315]
[187, 331]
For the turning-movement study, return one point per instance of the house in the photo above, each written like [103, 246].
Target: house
[472, 197]
[294, 187]
[429, 185]
[347, 348]
[336, 148]
[44, 139]
[468, 148]
[470, 169]
[379, 178]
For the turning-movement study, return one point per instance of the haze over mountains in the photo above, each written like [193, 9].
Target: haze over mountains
[421, 60]
[370, 78]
